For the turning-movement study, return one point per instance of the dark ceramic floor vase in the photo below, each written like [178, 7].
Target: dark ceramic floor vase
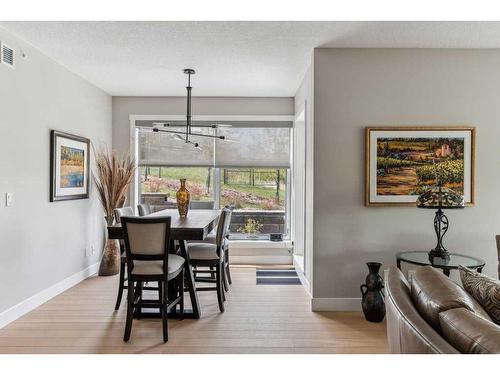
[372, 302]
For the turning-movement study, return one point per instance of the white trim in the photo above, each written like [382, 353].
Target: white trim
[309, 193]
[300, 272]
[134, 152]
[134, 118]
[256, 244]
[298, 188]
[15, 312]
[336, 304]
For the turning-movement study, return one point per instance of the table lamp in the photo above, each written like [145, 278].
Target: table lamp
[439, 197]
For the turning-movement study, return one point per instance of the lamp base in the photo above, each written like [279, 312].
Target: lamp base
[439, 253]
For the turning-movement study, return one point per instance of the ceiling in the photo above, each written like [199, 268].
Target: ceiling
[231, 58]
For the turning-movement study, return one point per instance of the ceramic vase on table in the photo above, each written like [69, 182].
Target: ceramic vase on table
[110, 262]
[373, 303]
[183, 198]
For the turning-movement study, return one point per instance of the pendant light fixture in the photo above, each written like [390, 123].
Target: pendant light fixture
[188, 133]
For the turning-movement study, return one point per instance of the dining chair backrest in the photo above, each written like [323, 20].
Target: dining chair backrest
[124, 211]
[201, 205]
[222, 227]
[146, 239]
[144, 209]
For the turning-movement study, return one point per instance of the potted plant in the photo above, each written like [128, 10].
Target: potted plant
[252, 228]
[112, 177]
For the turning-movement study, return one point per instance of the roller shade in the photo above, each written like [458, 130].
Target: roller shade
[164, 149]
[256, 147]
[257, 144]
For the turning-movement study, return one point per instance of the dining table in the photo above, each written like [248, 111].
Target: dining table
[194, 227]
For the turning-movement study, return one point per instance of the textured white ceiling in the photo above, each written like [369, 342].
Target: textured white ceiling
[231, 58]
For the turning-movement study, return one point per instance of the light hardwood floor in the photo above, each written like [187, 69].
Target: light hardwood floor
[258, 319]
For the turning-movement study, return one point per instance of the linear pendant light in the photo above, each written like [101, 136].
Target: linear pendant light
[187, 134]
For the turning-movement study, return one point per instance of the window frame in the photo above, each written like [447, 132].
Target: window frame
[135, 189]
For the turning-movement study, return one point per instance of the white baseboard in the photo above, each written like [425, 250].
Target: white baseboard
[297, 263]
[15, 312]
[336, 304]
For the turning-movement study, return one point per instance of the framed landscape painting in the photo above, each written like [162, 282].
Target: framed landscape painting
[69, 166]
[402, 162]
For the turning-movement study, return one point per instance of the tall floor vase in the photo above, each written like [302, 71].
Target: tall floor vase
[373, 298]
[110, 262]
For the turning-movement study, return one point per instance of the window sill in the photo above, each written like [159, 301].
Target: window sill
[260, 252]
[260, 244]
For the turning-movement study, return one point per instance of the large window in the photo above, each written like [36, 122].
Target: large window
[249, 171]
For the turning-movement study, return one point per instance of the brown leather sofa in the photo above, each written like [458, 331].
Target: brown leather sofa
[432, 315]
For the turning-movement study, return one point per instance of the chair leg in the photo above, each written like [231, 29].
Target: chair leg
[181, 292]
[138, 293]
[228, 273]
[220, 291]
[164, 310]
[120, 287]
[223, 281]
[160, 292]
[130, 310]
[226, 284]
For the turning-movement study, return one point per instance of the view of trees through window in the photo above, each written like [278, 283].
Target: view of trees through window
[258, 195]
[166, 180]
[249, 188]
[259, 189]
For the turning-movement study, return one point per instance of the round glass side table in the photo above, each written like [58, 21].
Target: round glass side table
[421, 258]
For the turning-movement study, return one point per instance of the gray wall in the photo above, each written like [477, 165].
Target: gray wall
[354, 88]
[140, 105]
[41, 243]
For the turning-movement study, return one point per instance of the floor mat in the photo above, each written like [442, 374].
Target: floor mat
[277, 276]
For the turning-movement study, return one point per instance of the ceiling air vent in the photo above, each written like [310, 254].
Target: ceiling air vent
[7, 55]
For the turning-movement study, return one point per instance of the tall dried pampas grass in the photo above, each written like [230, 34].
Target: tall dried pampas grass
[112, 177]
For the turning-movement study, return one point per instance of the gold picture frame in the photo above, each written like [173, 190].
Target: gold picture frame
[394, 183]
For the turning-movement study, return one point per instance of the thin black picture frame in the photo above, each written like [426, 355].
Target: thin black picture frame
[54, 134]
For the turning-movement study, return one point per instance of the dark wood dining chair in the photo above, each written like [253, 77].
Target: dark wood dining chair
[147, 242]
[203, 254]
[144, 209]
[212, 238]
[119, 212]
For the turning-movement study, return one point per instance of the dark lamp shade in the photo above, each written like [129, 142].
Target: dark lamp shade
[440, 197]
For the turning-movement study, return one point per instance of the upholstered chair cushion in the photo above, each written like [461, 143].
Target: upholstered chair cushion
[155, 267]
[147, 239]
[210, 238]
[484, 290]
[202, 251]
[144, 209]
[432, 293]
[469, 333]
[124, 211]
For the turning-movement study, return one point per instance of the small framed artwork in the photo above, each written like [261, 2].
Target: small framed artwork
[402, 162]
[69, 166]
